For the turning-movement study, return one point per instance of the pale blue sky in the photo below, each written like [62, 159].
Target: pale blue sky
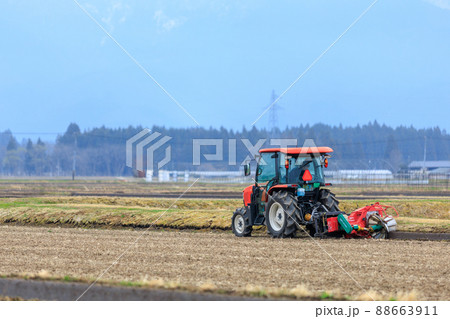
[221, 60]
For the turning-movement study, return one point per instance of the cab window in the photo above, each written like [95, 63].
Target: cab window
[266, 168]
[298, 166]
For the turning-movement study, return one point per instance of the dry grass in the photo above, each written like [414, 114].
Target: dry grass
[416, 215]
[7, 298]
[300, 292]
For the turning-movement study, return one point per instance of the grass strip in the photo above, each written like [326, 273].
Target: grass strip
[415, 215]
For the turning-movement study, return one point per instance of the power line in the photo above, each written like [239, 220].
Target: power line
[32, 133]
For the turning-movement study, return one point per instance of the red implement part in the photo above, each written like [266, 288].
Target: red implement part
[333, 224]
[359, 218]
[358, 234]
[381, 209]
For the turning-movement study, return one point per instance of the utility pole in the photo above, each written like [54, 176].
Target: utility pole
[74, 160]
[424, 153]
[273, 118]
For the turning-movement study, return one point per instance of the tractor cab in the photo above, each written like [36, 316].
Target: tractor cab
[305, 170]
[297, 170]
[294, 172]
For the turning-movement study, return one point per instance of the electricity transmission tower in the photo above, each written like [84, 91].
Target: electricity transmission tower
[273, 115]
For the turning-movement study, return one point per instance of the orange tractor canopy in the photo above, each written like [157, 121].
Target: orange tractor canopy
[299, 150]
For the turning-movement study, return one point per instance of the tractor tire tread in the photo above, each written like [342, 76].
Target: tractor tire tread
[328, 200]
[288, 202]
[248, 228]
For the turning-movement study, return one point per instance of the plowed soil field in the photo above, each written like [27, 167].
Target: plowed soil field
[223, 262]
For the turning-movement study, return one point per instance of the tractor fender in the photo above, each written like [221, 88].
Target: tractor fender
[285, 187]
[247, 194]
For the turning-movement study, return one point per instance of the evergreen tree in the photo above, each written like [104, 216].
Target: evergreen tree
[40, 158]
[101, 151]
[73, 130]
[28, 162]
[12, 144]
[13, 162]
[392, 154]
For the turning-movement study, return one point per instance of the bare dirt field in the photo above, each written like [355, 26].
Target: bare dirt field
[136, 187]
[213, 260]
[221, 262]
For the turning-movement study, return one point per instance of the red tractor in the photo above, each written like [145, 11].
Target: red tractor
[287, 195]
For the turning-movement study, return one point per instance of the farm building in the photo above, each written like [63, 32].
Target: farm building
[364, 174]
[437, 167]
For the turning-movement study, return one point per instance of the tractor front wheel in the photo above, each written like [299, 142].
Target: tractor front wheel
[280, 215]
[240, 223]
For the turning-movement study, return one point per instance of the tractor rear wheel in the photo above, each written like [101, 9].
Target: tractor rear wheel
[240, 223]
[280, 216]
[328, 199]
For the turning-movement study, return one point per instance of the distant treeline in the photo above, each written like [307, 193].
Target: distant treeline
[101, 151]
